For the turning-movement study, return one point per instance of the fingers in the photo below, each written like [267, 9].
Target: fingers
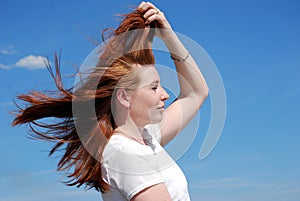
[152, 13]
[152, 18]
[141, 4]
[146, 5]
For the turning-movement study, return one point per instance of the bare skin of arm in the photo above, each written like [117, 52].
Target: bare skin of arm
[193, 92]
[153, 193]
[193, 88]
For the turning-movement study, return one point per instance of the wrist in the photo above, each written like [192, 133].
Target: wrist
[179, 59]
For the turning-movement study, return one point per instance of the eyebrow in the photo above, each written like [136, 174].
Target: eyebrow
[155, 82]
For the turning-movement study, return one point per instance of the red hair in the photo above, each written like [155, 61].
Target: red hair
[129, 47]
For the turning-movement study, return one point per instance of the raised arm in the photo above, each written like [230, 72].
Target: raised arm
[193, 88]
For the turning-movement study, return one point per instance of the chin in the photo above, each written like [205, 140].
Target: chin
[156, 120]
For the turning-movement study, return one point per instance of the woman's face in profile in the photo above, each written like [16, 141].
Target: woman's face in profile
[147, 102]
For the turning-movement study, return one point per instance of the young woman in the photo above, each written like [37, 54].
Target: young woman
[117, 149]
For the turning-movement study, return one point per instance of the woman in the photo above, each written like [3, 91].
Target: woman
[118, 148]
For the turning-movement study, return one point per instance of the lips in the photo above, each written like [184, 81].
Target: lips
[161, 107]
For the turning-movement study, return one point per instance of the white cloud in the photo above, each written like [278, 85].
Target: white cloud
[32, 62]
[7, 49]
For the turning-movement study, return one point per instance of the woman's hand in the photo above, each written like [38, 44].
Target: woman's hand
[153, 14]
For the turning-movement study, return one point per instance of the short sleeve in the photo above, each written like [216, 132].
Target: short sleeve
[130, 167]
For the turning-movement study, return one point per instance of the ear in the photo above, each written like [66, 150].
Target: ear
[123, 98]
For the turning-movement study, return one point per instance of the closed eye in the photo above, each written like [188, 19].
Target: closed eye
[154, 85]
[155, 88]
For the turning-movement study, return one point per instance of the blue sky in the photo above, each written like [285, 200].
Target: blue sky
[256, 48]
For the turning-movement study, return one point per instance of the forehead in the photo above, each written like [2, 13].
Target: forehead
[147, 74]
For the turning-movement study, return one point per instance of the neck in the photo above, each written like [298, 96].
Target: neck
[131, 131]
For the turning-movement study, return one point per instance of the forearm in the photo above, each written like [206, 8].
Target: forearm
[191, 80]
[192, 83]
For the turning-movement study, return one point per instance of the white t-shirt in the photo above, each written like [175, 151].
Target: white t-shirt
[129, 167]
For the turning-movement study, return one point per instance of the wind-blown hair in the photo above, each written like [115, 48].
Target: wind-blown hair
[121, 51]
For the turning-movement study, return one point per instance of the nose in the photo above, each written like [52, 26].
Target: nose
[164, 94]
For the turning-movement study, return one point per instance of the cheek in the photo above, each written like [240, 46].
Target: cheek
[145, 101]
[151, 100]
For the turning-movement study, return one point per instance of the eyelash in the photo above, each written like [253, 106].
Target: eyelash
[154, 88]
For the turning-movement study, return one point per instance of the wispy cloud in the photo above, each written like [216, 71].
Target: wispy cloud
[227, 183]
[42, 172]
[291, 93]
[4, 66]
[41, 185]
[241, 189]
[6, 103]
[56, 194]
[235, 183]
[7, 49]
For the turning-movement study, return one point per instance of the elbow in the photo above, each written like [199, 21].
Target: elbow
[203, 93]
[206, 93]
[202, 96]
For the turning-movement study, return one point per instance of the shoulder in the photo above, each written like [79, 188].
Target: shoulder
[122, 154]
[128, 166]
[119, 144]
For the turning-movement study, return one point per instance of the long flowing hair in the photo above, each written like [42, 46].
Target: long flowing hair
[120, 53]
